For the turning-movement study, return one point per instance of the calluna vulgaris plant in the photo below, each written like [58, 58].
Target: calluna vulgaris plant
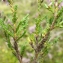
[39, 39]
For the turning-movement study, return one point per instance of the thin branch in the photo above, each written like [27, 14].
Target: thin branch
[33, 46]
[41, 44]
[17, 52]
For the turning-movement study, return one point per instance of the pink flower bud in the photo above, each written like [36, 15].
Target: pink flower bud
[32, 29]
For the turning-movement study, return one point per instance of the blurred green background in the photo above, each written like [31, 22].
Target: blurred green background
[55, 54]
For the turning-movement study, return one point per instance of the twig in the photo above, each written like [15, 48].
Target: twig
[17, 52]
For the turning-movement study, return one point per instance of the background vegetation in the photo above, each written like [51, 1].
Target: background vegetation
[52, 54]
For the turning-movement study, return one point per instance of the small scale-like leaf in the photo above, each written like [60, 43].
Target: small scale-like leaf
[23, 22]
[21, 35]
[45, 50]
[60, 12]
[8, 40]
[5, 28]
[15, 14]
[51, 20]
[46, 5]
[32, 37]
[22, 51]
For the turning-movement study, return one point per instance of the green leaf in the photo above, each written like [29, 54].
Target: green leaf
[51, 20]
[45, 50]
[60, 13]
[15, 14]
[21, 35]
[23, 48]
[60, 24]
[38, 23]
[46, 5]
[5, 28]
[8, 41]
[10, 1]
[32, 37]
[38, 29]
[22, 23]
